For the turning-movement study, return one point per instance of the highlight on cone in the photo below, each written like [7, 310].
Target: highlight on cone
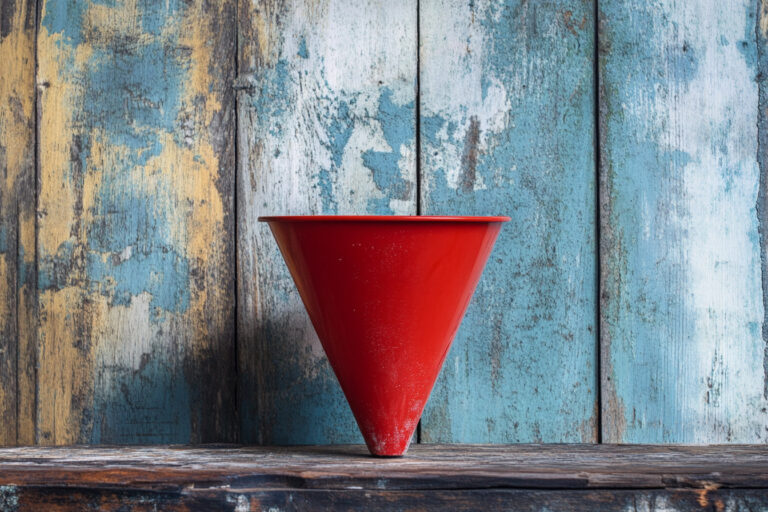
[386, 295]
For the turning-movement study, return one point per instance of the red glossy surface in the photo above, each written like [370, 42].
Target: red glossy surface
[386, 296]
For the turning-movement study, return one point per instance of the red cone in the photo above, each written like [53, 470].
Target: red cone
[386, 296]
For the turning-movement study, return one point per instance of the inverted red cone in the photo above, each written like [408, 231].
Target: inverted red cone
[386, 296]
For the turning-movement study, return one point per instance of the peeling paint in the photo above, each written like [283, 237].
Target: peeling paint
[135, 232]
[17, 247]
[398, 126]
[682, 301]
[511, 133]
[328, 126]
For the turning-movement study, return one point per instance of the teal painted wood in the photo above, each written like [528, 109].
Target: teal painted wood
[136, 222]
[326, 114]
[507, 127]
[682, 214]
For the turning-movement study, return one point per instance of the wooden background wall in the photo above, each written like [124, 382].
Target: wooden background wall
[140, 302]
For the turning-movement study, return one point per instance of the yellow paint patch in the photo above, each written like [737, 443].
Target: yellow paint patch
[263, 18]
[17, 113]
[26, 367]
[189, 176]
[197, 36]
[27, 331]
[7, 400]
[16, 87]
[57, 195]
[66, 354]
[80, 332]
[65, 361]
[764, 18]
[204, 243]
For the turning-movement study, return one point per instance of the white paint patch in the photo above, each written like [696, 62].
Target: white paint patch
[128, 335]
[353, 182]
[455, 81]
[243, 505]
[126, 254]
[328, 67]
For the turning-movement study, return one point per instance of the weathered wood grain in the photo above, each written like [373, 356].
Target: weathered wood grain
[17, 221]
[326, 124]
[430, 477]
[507, 128]
[426, 466]
[279, 500]
[682, 239]
[136, 221]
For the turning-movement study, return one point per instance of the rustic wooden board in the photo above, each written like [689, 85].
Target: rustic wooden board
[507, 128]
[430, 477]
[425, 466]
[683, 334]
[17, 221]
[66, 499]
[326, 124]
[136, 222]
[190, 500]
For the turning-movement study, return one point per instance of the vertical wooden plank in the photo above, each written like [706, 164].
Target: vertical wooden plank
[17, 221]
[507, 127]
[136, 221]
[682, 215]
[326, 124]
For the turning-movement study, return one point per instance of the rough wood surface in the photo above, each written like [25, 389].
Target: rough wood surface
[326, 114]
[17, 221]
[430, 477]
[136, 221]
[425, 466]
[278, 500]
[507, 128]
[682, 188]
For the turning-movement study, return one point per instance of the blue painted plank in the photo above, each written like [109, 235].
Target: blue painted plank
[507, 127]
[326, 125]
[136, 222]
[682, 192]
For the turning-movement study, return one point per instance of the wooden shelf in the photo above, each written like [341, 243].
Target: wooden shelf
[430, 477]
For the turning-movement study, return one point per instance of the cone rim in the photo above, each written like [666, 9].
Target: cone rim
[381, 218]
